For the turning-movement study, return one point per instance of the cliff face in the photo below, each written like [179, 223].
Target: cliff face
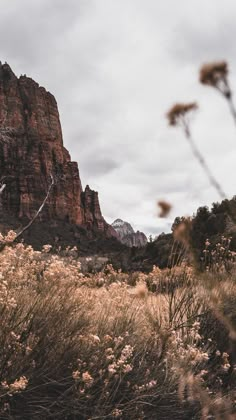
[31, 149]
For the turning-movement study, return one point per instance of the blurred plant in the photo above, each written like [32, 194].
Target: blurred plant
[215, 74]
[182, 231]
[164, 207]
[179, 115]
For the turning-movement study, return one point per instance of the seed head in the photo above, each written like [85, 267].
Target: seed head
[215, 74]
[178, 112]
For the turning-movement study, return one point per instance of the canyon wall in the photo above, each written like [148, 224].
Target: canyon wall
[31, 150]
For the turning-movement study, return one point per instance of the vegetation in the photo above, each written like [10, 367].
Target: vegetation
[113, 345]
[104, 344]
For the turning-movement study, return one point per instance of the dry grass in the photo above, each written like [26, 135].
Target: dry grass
[107, 345]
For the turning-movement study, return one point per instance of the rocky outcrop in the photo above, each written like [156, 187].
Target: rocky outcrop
[31, 150]
[127, 235]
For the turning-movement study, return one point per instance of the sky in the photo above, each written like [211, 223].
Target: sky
[115, 68]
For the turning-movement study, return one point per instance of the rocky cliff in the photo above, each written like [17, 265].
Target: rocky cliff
[31, 149]
[127, 235]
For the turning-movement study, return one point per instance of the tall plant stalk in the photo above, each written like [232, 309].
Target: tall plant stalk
[216, 75]
[178, 116]
[198, 155]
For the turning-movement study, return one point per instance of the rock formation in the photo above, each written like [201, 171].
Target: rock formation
[31, 149]
[127, 235]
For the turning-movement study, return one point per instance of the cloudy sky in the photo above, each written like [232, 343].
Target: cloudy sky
[115, 67]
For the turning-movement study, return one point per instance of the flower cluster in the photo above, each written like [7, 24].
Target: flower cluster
[17, 386]
[218, 258]
[121, 364]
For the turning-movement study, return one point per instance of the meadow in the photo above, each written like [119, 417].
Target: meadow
[114, 345]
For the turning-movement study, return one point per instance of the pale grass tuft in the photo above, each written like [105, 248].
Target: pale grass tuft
[140, 290]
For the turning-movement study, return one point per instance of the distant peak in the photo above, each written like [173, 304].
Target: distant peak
[127, 235]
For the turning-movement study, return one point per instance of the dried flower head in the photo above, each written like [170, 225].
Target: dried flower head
[164, 207]
[215, 74]
[177, 112]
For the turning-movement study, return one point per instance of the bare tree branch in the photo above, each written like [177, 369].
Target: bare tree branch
[4, 244]
[2, 188]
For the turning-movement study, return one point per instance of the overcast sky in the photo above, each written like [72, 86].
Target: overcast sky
[115, 67]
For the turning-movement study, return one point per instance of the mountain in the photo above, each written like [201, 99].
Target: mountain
[31, 150]
[127, 235]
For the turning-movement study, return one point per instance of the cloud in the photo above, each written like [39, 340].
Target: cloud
[115, 68]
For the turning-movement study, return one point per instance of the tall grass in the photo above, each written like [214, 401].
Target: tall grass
[106, 345]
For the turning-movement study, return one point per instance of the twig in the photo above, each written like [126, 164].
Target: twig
[9, 243]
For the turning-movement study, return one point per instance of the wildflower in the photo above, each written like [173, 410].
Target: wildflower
[15, 336]
[225, 367]
[10, 237]
[196, 325]
[19, 385]
[151, 384]
[87, 379]
[127, 368]
[46, 248]
[204, 356]
[112, 369]
[109, 351]
[107, 338]
[95, 338]
[118, 340]
[116, 413]
[126, 354]
[5, 385]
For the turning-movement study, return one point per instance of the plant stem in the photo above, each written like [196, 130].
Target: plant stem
[232, 107]
[202, 161]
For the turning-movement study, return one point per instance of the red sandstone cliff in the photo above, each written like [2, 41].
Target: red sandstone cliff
[31, 148]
